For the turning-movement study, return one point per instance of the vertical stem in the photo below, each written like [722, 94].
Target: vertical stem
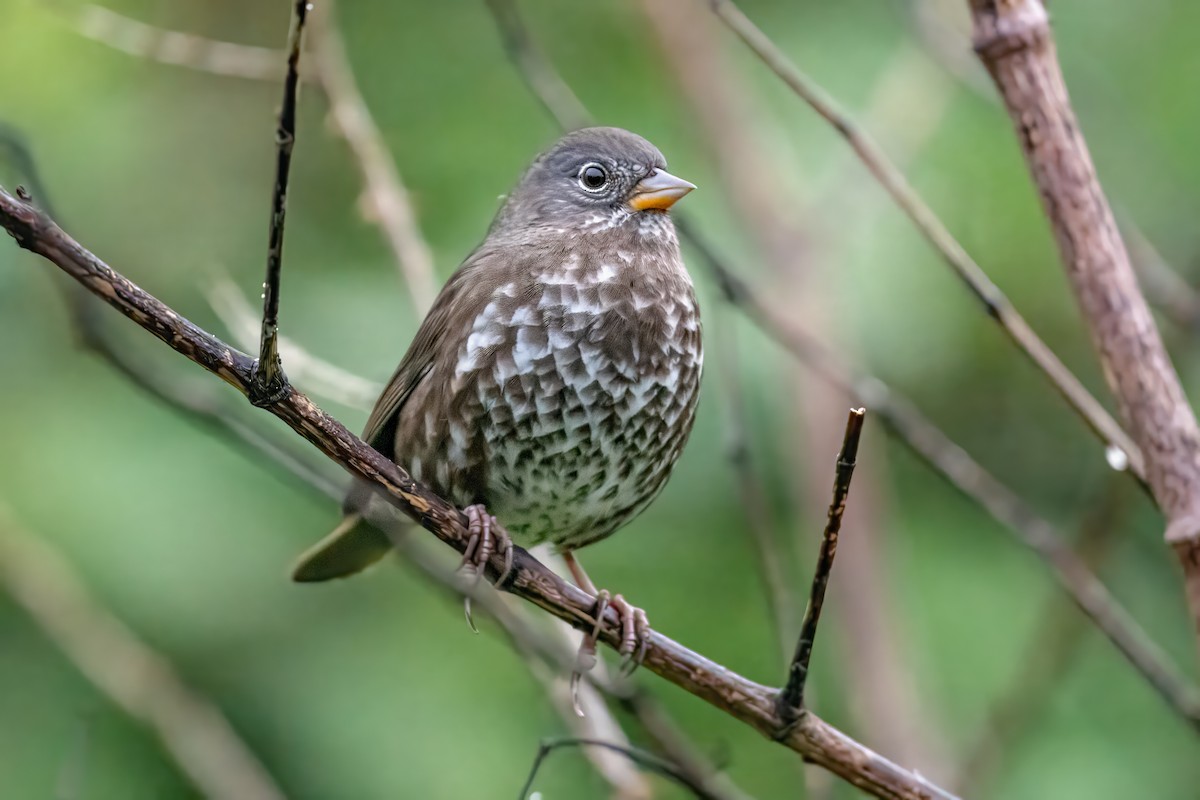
[269, 381]
[791, 698]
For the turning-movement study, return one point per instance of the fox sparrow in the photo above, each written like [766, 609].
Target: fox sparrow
[554, 382]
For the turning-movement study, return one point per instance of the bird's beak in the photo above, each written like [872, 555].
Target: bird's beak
[660, 189]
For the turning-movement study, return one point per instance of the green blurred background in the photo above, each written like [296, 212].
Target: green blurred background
[374, 687]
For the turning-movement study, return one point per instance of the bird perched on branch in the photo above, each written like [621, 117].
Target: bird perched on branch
[554, 381]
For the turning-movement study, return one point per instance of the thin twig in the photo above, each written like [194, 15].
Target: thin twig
[548, 87]
[743, 699]
[390, 206]
[950, 461]
[995, 302]
[269, 381]
[641, 757]
[791, 698]
[141, 681]
[172, 47]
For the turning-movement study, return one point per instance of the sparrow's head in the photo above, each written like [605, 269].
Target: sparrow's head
[593, 177]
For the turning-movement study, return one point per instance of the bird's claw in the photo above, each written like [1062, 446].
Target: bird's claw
[635, 638]
[484, 536]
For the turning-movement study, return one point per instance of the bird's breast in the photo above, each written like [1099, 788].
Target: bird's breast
[587, 377]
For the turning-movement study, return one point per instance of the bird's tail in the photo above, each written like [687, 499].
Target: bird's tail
[350, 548]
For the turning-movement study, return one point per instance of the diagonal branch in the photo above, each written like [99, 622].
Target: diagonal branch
[1014, 41]
[548, 86]
[745, 700]
[171, 47]
[934, 230]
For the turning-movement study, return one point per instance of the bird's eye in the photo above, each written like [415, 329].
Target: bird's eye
[593, 177]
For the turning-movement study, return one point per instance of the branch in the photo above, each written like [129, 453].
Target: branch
[791, 699]
[737, 696]
[172, 47]
[548, 87]
[136, 678]
[934, 230]
[637, 755]
[1014, 41]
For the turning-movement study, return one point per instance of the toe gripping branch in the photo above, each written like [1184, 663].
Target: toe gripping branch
[484, 537]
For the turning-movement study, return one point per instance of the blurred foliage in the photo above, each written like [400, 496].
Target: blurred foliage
[374, 687]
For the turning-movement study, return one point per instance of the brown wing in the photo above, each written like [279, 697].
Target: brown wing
[461, 299]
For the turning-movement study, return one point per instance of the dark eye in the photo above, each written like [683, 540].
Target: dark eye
[593, 177]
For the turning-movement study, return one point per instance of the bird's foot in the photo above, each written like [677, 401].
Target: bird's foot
[635, 637]
[484, 537]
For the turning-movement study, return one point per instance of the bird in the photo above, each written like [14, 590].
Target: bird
[554, 382]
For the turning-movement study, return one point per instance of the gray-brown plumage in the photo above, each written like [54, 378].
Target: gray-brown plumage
[556, 377]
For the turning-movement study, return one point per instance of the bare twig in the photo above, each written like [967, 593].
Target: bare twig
[641, 757]
[741, 698]
[548, 87]
[791, 698]
[893, 181]
[389, 204]
[269, 381]
[139, 680]
[949, 460]
[172, 47]
[1014, 41]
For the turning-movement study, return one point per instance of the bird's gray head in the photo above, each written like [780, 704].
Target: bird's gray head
[592, 179]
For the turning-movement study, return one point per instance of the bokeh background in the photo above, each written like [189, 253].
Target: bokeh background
[374, 687]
